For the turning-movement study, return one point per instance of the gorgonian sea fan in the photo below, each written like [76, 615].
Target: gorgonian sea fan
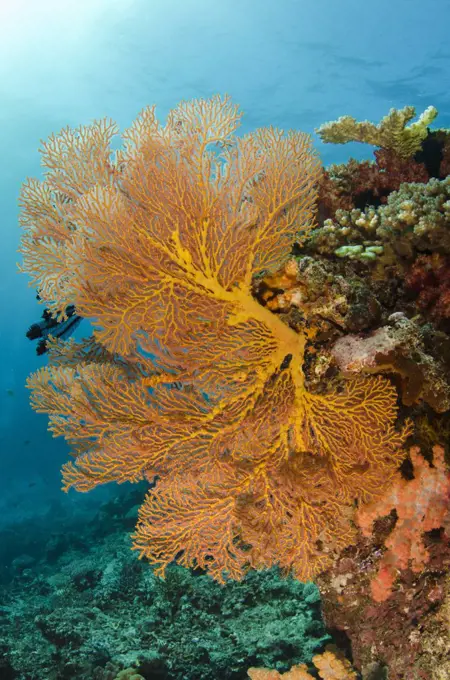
[189, 378]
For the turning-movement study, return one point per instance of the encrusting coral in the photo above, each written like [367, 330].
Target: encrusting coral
[193, 381]
[398, 348]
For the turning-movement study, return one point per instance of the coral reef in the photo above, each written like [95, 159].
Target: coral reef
[429, 281]
[256, 387]
[388, 594]
[87, 608]
[358, 183]
[415, 219]
[399, 348]
[390, 638]
[421, 504]
[161, 248]
[389, 243]
[331, 665]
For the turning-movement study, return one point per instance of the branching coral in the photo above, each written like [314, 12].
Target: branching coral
[422, 504]
[357, 184]
[392, 132]
[417, 216]
[192, 380]
[414, 218]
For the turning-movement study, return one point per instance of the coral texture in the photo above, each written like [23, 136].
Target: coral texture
[429, 280]
[193, 382]
[414, 219]
[398, 347]
[331, 665]
[129, 674]
[87, 608]
[357, 184]
[422, 504]
[392, 133]
[403, 637]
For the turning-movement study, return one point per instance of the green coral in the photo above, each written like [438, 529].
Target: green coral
[415, 219]
[351, 234]
[392, 132]
[360, 252]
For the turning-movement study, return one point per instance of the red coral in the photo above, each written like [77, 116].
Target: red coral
[421, 505]
[394, 170]
[444, 168]
[358, 184]
[429, 280]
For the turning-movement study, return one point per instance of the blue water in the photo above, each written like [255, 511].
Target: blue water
[289, 63]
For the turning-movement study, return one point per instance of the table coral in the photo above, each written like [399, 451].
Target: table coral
[392, 132]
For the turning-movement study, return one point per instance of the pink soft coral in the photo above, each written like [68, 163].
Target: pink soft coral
[421, 505]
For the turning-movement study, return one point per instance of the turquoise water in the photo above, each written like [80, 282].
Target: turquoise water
[290, 63]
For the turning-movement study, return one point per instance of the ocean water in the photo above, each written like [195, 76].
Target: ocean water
[293, 64]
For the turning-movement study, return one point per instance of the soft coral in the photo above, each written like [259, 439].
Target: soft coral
[421, 505]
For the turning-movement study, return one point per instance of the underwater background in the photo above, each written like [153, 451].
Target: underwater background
[292, 64]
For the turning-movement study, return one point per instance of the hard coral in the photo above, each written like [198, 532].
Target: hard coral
[201, 386]
[358, 184]
[129, 674]
[299, 672]
[421, 504]
[415, 218]
[392, 133]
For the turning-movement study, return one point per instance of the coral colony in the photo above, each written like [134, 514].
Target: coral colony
[268, 336]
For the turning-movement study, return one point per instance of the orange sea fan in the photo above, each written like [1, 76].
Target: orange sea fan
[189, 378]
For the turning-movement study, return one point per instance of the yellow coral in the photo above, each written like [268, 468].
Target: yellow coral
[331, 665]
[129, 674]
[299, 672]
[392, 132]
[191, 380]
